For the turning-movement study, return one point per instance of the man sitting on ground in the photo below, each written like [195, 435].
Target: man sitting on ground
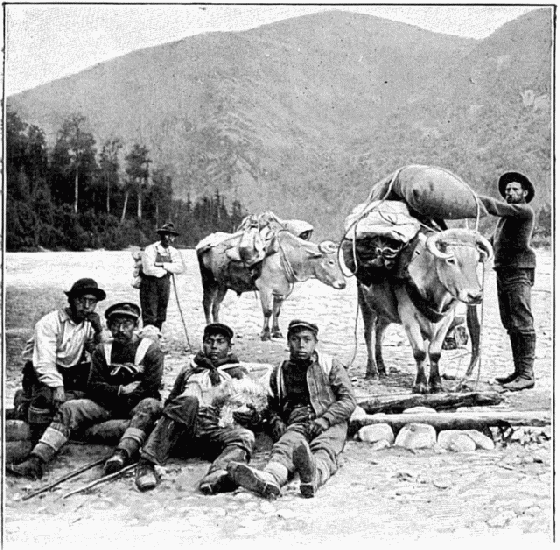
[310, 405]
[191, 417]
[124, 382]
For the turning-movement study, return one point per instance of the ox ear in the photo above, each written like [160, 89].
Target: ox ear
[328, 247]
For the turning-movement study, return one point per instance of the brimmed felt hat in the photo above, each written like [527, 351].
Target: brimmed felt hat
[298, 324]
[86, 286]
[167, 228]
[219, 328]
[508, 177]
[127, 309]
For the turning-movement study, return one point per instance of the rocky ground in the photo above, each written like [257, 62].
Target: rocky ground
[390, 496]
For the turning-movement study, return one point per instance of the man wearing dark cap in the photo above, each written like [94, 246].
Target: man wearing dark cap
[57, 360]
[310, 405]
[124, 382]
[515, 263]
[191, 417]
[160, 261]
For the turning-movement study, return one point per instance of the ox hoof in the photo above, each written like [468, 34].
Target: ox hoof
[277, 334]
[420, 388]
[436, 388]
[372, 376]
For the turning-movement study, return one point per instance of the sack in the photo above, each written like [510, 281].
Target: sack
[137, 270]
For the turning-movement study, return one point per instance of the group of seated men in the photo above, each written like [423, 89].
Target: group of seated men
[309, 403]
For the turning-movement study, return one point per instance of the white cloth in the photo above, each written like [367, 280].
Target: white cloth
[57, 340]
[170, 257]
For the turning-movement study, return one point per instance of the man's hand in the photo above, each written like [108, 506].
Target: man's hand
[317, 427]
[95, 321]
[129, 388]
[247, 419]
[58, 396]
[278, 429]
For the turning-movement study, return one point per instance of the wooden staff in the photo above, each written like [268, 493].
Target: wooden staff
[100, 480]
[64, 478]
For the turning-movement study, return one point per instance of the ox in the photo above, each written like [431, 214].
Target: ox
[439, 270]
[295, 260]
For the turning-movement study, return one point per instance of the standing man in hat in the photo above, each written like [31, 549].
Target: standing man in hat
[191, 417]
[57, 361]
[310, 405]
[515, 263]
[160, 261]
[124, 382]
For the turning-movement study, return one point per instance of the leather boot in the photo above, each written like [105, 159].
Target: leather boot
[217, 480]
[262, 483]
[31, 468]
[146, 477]
[515, 353]
[305, 465]
[116, 462]
[525, 359]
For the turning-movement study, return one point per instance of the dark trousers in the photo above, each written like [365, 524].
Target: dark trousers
[154, 297]
[514, 299]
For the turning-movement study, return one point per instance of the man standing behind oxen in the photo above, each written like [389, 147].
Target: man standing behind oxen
[191, 417]
[311, 402]
[56, 357]
[515, 263]
[124, 382]
[160, 261]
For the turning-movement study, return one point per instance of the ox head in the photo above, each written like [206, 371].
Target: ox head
[457, 253]
[326, 266]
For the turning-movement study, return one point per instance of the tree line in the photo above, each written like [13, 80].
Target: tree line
[78, 194]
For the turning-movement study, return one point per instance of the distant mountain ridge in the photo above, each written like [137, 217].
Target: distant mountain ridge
[302, 116]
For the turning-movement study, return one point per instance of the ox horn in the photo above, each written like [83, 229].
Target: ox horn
[485, 247]
[328, 247]
[431, 245]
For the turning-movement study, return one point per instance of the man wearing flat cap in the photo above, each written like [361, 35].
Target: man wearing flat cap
[57, 356]
[124, 382]
[310, 405]
[191, 424]
[160, 261]
[514, 262]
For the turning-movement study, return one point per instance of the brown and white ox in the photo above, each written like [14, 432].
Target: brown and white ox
[440, 271]
[295, 261]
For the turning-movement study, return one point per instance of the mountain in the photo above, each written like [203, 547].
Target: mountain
[302, 116]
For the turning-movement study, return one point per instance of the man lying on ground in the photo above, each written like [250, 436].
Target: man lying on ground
[57, 360]
[191, 420]
[124, 382]
[310, 405]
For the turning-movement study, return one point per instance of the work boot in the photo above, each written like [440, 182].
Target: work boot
[146, 477]
[116, 462]
[31, 468]
[260, 482]
[525, 359]
[217, 481]
[514, 339]
[305, 465]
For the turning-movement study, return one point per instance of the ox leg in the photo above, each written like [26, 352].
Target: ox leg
[218, 299]
[420, 356]
[380, 326]
[266, 303]
[276, 332]
[473, 324]
[208, 299]
[370, 318]
[434, 352]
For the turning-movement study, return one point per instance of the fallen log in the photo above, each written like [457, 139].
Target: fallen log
[456, 421]
[438, 401]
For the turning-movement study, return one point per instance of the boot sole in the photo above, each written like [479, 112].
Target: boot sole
[304, 464]
[113, 466]
[245, 477]
[307, 490]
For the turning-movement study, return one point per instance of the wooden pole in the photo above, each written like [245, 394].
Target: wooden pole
[101, 480]
[457, 421]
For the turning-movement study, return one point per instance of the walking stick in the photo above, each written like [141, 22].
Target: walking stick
[101, 480]
[181, 312]
[64, 478]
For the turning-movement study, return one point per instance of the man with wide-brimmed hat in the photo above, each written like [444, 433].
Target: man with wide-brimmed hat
[515, 263]
[124, 382]
[192, 421]
[160, 261]
[310, 406]
[57, 356]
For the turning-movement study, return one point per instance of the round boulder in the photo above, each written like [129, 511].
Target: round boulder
[375, 433]
[416, 436]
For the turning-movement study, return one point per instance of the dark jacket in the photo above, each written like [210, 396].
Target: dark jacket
[104, 382]
[330, 390]
[512, 238]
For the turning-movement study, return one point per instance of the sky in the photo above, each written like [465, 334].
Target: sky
[47, 42]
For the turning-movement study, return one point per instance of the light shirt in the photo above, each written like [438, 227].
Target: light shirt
[171, 258]
[57, 341]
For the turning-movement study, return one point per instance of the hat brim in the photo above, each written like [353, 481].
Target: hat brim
[218, 328]
[123, 313]
[168, 231]
[97, 292]
[508, 177]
